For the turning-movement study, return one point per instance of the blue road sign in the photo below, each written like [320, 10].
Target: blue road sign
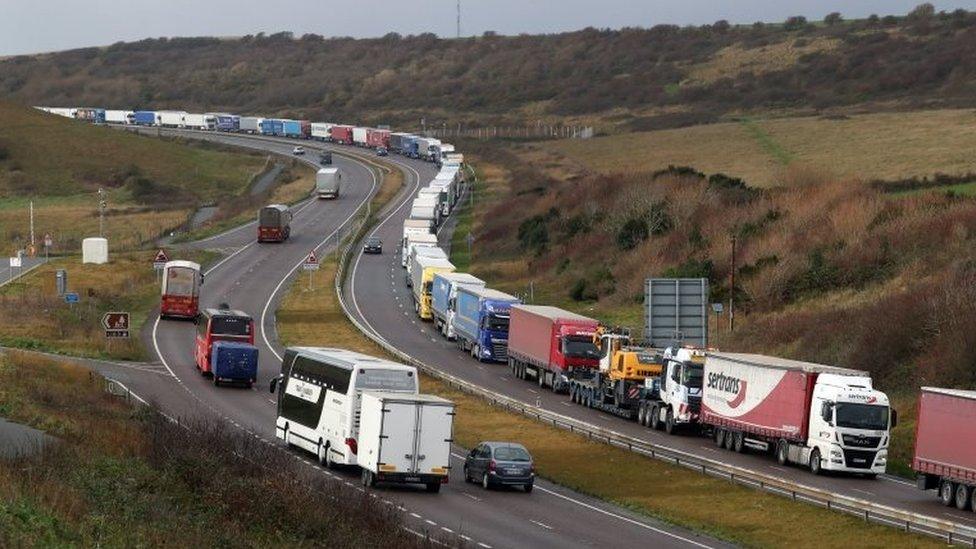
[71, 297]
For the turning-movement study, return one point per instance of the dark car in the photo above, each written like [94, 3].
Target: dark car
[325, 158]
[373, 245]
[381, 151]
[500, 464]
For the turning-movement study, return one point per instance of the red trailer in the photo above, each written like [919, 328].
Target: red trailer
[551, 345]
[945, 445]
[306, 129]
[377, 138]
[342, 134]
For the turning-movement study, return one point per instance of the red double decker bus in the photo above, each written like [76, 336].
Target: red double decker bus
[274, 223]
[222, 324]
[181, 290]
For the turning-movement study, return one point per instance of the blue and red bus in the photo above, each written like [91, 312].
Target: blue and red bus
[224, 347]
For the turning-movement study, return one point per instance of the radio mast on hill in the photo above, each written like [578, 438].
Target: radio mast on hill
[459, 18]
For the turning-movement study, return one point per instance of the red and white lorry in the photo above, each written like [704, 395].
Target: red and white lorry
[945, 445]
[551, 345]
[822, 417]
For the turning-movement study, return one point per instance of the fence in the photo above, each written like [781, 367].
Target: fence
[540, 131]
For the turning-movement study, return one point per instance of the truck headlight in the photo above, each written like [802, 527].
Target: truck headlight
[485, 351]
[836, 453]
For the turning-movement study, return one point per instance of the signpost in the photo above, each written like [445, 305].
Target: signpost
[61, 280]
[310, 264]
[48, 242]
[71, 298]
[116, 324]
[160, 260]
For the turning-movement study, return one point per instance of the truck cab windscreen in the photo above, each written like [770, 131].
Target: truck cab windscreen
[692, 375]
[862, 416]
[230, 325]
[580, 347]
[496, 323]
[386, 380]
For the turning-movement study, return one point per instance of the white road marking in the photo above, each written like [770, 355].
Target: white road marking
[430, 522]
[537, 523]
[476, 498]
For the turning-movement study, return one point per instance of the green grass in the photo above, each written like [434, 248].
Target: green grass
[460, 249]
[766, 141]
[959, 189]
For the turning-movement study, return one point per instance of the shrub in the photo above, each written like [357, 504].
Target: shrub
[533, 233]
[633, 232]
[796, 22]
[833, 18]
[693, 268]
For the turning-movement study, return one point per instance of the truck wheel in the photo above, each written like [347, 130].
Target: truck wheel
[729, 440]
[369, 480]
[782, 452]
[216, 381]
[655, 418]
[815, 462]
[640, 415]
[946, 492]
[320, 455]
[541, 378]
[669, 426]
[720, 437]
[329, 464]
[962, 497]
[738, 442]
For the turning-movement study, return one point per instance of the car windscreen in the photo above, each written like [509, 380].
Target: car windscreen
[580, 347]
[373, 242]
[386, 380]
[230, 325]
[862, 416]
[511, 453]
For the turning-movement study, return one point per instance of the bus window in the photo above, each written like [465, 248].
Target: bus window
[230, 325]
[386, 380]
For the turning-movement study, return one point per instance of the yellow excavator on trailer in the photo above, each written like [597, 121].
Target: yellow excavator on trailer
[627, 375]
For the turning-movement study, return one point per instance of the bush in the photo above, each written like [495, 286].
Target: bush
[833, 18]
[633, 232]
[796, 22]
[693, 268]
[533, 234]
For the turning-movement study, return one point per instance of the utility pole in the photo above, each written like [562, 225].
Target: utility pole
[32, 223]
[459, 18]
[732, 289]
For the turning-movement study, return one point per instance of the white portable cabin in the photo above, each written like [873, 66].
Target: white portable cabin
[94, 250]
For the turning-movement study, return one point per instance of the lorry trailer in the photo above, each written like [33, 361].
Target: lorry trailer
[405, 439]
[196, 121]
[822, 417]
[411, 227]
[359, 136]
[443, 298]
[144, 118]
[551, 345]
[416, 240]
[119, 117]
[272, 126]
[251, 124]
[171, 119]
[945, 451]
[321, 131]
[328, 182]
[342, 134]
[481, 322]
[422, 273]
[296, 129]
[377, 138]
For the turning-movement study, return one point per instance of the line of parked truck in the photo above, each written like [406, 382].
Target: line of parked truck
[818, 416]
[380, 139]
[821, 417]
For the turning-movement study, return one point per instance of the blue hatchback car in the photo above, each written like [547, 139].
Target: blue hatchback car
[500, 464]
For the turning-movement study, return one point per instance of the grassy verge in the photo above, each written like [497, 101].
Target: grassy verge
[121, 478]
[32, 316]
[670, 493]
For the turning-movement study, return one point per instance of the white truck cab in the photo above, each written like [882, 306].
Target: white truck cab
[849, 426]
[680, 388]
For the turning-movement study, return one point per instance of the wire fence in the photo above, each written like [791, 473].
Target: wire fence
[539, 131]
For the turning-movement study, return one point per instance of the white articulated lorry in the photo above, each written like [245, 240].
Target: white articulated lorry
[405, 438]
[821, 417]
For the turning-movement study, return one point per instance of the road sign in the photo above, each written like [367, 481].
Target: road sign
[16, 262]
[71, 297]
[48, 241]
[160, 260]
[311, 262]
[116, 324]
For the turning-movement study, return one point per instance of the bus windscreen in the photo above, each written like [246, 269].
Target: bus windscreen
[181, 281]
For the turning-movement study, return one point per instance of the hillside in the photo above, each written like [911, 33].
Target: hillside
[152, 184]
[633, 79]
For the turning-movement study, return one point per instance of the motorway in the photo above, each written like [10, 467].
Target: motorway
[9, 274]
[379, 298]
[254, 277]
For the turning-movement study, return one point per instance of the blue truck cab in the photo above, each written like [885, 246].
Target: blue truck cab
[410, 147]
[234, 362]
[443, 295]
[481, 322]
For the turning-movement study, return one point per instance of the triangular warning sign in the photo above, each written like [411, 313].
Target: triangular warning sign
[311, 259]
[161, 257]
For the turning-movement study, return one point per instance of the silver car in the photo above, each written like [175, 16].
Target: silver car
[500, 464]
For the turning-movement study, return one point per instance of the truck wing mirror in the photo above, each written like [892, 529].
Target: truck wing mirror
[827, 413]
[274, 384]
[894, 418]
